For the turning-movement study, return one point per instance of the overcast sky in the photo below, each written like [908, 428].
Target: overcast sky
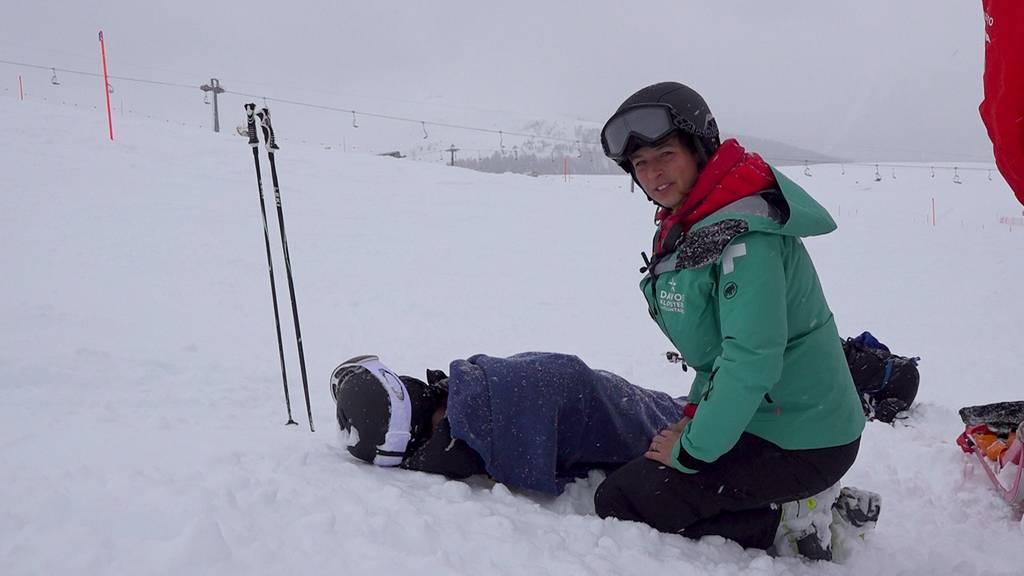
[869, 79]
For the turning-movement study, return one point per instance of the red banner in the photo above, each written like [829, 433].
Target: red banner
[1002, 110]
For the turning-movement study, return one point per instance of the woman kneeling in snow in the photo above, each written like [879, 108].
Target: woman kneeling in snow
[775, 416]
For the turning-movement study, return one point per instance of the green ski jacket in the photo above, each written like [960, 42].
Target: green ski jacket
[740, 300]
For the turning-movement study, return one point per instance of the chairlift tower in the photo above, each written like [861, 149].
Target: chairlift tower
[214, 86]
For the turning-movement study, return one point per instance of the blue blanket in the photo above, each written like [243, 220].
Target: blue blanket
[540, 420]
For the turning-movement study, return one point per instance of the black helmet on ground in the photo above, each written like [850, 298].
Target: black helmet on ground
[656, 112]
[387, 416]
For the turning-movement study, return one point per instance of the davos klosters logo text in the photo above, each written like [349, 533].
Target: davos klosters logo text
[669, 300]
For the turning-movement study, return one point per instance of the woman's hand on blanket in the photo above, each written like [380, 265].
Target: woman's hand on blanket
[661, 446]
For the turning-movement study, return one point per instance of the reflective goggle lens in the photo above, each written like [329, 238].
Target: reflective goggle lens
[649, 123]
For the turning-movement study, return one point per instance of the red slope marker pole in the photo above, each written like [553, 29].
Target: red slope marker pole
[106, 85]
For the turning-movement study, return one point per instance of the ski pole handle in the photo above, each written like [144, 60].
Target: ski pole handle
[268, 130]
[250, 118]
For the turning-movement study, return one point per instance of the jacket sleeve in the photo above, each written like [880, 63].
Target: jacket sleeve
[751, 294]
[700, 382]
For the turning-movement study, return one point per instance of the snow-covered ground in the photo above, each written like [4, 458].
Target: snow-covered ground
[141, 409]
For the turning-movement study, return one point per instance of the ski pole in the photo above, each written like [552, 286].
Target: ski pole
[271, 143]
[254, 142]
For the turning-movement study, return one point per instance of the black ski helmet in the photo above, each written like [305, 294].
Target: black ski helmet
[690, 114]
[387, 416]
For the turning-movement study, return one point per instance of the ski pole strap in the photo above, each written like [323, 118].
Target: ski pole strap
[887, 375]
[250, 110]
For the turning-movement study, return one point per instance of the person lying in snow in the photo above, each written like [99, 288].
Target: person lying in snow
[534, 421]
[774, 415]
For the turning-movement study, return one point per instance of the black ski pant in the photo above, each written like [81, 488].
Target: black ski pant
[731, 497]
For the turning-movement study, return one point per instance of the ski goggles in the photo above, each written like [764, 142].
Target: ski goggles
[647, 122]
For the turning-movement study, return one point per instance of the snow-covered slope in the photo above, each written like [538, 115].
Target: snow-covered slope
[141, 410]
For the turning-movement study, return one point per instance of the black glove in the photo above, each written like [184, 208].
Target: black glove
[443, 455]
[437, 378]
[888, 409]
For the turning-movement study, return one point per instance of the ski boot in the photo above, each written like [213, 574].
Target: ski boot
[804, 529]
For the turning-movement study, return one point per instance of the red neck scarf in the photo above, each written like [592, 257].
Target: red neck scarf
[731, 174]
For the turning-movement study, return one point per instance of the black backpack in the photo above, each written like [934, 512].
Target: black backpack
[886, 382]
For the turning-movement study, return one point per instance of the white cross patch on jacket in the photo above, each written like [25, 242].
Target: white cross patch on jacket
[731, 253]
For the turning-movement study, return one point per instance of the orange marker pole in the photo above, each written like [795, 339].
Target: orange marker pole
[933, 211]
[106, 85]
[21, 87]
